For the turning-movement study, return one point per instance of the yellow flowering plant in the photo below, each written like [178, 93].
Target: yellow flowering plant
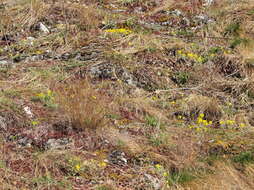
[231, 124]
[201, 124]
[119, 31]
[190, 55]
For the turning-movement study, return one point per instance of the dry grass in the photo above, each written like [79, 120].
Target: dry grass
[196, 104]
[226, 177]
[151, 126]
[84, 106]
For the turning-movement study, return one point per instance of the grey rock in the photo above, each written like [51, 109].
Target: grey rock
[3, 125]
[117, 157]
[5, 63]
[53, 144]
[112, 72]
[203, 19]
[155, 182]
[208, 2]
[25, 142]
[43, 28]
[177, 12]
[30, 40]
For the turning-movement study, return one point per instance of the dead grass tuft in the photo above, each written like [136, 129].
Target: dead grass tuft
[226, 177]
[196, 104]
[84, 106]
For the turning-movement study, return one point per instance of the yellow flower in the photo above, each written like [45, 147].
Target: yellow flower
[210, 122]
[229, 104]
[180, 52]
[198, 129]
[38, 52]
[41, 95]
[200, 59]
[165, 174]
[77, 167]
[242, 125]
[199, 120]
[205, 122]
[34, 123]
[230, 122]
[49, 92]
[158, 166]
[222, 122]
[102, 164]
[154, 98]
[94, 97]
[119, 30]
[193, 55]
[201, 115]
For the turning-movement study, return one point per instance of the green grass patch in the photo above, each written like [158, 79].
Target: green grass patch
[180, 177]
[244, 158]
[152, 121]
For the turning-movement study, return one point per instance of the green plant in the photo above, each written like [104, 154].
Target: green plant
[184, 33]
[152, 121]
[210, 159]
[159, 139]
[48, 181]
[244, 157]
[232, 29]
[104, 187]
[47, 99]
[215, 50]
[181, 77]
[180, 177]
[128, 2]
[238, 41]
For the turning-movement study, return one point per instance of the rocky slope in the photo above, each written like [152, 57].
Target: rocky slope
[126, 94]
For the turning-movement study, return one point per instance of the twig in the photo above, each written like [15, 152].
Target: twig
[174, 89]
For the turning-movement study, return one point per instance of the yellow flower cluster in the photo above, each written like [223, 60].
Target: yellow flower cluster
[119, 31]
[192, 56]
[78, 166]
[201, 124]
[180, 117]
[231, 123]
[227, 122]
[161, 170]
[102, 164]
[158, 166]
[34, 123]
[47, 95]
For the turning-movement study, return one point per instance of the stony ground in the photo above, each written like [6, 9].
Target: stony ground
[126, 94]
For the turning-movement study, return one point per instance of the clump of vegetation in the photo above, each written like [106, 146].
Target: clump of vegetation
[92, 90]
[84, 106]
[244, 157]
[181, 78]
[180, 178]
[152, 121]
[233, 29]
[47, 99]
